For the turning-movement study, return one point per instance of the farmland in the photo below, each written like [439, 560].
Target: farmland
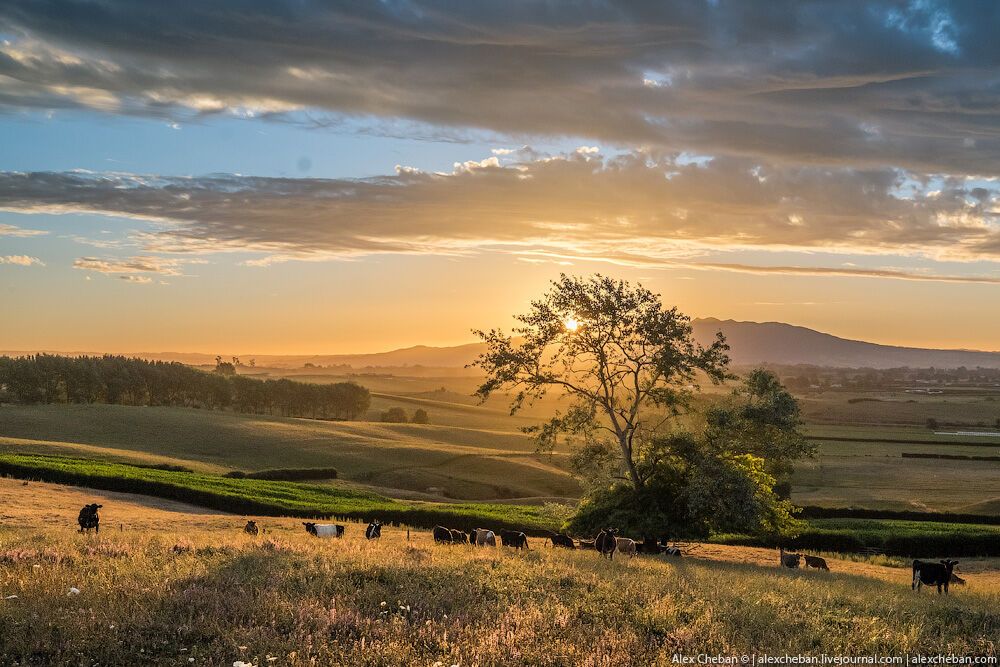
[473, 452]
[178, 585]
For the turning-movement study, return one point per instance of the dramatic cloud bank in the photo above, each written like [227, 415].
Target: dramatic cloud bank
[913, 85]
[637, 208]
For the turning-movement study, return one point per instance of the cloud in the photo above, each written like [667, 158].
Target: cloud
[21, 260]
[638, 207]
[142, 264]
[913, 85]
[19, 232]
[141, 280]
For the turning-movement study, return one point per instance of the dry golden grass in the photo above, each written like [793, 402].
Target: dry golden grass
[166, 583]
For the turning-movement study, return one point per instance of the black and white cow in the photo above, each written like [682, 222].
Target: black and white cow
[374, 530]
[788, 559]
[89, 518]
[323, 529]
[933, 574]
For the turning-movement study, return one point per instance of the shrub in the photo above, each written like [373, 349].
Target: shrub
[394, 416]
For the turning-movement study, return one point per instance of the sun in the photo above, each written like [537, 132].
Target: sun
[571, 324]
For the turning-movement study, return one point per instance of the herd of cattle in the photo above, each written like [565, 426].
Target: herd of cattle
[607, 543]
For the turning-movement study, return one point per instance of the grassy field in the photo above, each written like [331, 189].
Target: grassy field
[429, 461]
[182, 586]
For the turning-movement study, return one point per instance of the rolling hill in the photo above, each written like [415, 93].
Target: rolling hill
[751, 343]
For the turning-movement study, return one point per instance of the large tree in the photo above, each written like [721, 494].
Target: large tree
[625, 362]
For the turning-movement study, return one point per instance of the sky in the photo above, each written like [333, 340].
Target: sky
[294, 177]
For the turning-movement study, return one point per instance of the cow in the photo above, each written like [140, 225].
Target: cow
[649, 546]
[626, 546]
[324, 529]
[374, 530]
[588, 544]
[458, 537]
[485, 538]
[251, 528]
[788, 559]
[514, 538]
[442, 535]
[816, 562]
[932, 574]
[672, 551]
[606, 542]
[560, 540]
[957, 580]
[89, 518]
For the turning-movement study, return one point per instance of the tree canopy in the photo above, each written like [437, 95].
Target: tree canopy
[613, 349]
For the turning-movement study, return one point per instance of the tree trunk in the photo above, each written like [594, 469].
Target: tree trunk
[633, 474]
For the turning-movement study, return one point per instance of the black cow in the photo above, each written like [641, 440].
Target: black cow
[458, 537]
[607, 542]
[560, 540]
[251, 528]
[374, 530]
[89, 518]
[932, 574]
[649, 546]
[514, 538]
[816, 562]
[442, 535]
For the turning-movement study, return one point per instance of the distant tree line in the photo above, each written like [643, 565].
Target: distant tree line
[119, 380]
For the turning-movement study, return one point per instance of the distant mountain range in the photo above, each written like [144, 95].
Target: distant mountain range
[751, 343]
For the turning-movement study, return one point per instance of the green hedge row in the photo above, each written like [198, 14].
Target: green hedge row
[813, 512]
[286, 474]
[949, 457]
[961, 542]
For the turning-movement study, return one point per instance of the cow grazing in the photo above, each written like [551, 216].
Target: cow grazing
[560, 540]
[816, 562]
[89, 518]
[933, 574]
[514, 538]
[251, 528]
[607, 542]
[957, 580]
[374, 530]
[789, 560]
[485, 538]
[324, 529]
[442, 535]
[672, 551]
[625, 546]
[458, 537]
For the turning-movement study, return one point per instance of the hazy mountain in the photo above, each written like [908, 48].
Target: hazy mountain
[750, 342]
[778, 343]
